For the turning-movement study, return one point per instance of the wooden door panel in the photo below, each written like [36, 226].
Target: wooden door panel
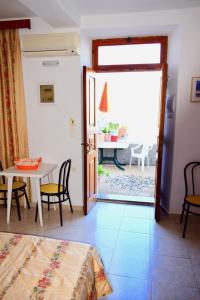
[160, 141]
[89, 144]
[91, 107]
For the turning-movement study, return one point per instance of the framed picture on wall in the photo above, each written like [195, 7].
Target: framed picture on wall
[195, 89]
[46, 93]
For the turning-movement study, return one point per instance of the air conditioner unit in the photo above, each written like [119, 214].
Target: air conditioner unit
[52, 44]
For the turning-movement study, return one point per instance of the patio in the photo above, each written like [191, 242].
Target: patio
[132, 183]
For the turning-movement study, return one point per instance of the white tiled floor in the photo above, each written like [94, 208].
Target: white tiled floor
[144, 260]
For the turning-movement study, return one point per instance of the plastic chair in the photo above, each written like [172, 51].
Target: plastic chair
[18, 190]
[141, 155]
[192, 191]
[59, 190]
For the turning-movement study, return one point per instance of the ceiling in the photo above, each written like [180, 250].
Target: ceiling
[60, 13]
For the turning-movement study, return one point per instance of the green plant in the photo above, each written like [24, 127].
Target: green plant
[101, 171]
[113, 126]
[106, 130]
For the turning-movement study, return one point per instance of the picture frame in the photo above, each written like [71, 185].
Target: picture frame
[46, 93]
[195, 90]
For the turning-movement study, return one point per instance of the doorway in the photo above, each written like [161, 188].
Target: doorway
[133, 105]
[118, 63]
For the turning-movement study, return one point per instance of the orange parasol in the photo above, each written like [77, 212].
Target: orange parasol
[104, 104]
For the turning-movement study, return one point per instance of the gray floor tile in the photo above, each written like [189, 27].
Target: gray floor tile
[106, 255]
[196, 268]
[171, 270]
[129, 288]
[170, 246]
[194, 248]
[163, 291]
[135, 249]
[136, 225]
[135, 211]
[131, 265]
[135, 243]
[166, 228]
[103, 237]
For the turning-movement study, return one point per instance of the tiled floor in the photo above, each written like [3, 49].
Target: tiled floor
[144, 260]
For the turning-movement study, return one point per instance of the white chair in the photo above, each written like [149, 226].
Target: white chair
[141, 155]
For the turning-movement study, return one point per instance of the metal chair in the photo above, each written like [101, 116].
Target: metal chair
[18, 190]
[141, 155]
[192, 191]
[59, 190]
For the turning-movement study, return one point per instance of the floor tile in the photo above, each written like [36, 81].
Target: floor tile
[134, 248]
[166, 227]
[106, 255]
[196, 268]
[163, 291]
[111, 208]
[103, 237]
[129, 289]
[135, 211]
[173, 270]
[131, 265]
[136, 225]
[135, 243]
[170, 246]
[107, 221]
[194, 248]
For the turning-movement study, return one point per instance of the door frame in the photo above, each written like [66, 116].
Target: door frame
[161, 66]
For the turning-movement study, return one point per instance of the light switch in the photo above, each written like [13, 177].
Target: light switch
[72, 122]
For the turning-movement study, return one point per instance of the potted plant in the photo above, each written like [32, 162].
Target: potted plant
[114, 131]
[122, 131]
[101, 171]
[107, 135]
[100, 137]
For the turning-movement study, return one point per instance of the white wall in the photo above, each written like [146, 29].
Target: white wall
[50, 134]
[187, 137]
[184, 63]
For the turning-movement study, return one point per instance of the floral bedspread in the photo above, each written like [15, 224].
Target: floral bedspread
[39, 268]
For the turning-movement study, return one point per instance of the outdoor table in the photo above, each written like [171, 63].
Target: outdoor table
[119, 145]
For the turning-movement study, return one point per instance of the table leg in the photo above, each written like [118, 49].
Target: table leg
[101, 156]
[116, 161]
[37, 189]
[9, 199]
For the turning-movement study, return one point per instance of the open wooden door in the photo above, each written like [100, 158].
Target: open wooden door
[160, 141]
[89, 143]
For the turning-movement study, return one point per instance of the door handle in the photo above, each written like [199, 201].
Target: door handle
[88, 147]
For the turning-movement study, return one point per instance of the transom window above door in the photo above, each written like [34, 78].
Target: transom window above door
[129, 54]
[140, 53]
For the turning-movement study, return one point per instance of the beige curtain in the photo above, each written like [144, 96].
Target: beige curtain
[13, 127]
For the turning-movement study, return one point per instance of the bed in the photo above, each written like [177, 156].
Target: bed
[39, 268]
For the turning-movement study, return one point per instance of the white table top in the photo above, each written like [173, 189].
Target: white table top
[120, 144]
[44, 169]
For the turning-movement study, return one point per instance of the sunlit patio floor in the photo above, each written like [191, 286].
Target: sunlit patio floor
[129, 185]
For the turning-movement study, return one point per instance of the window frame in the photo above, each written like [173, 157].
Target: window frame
[162, 40]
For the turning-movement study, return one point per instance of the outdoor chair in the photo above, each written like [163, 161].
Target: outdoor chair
[141, 152]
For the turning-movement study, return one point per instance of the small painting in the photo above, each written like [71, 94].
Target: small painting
[46, 93]
[195, 89]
